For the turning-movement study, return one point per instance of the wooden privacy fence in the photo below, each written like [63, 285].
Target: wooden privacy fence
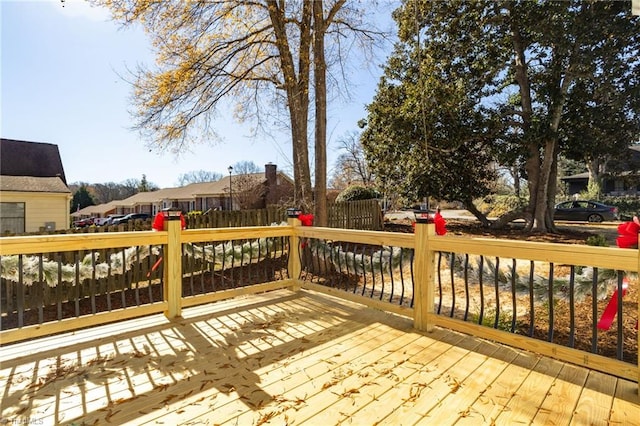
[365, 215]
[235, 218]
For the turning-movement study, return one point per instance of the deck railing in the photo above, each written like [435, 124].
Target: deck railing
[534, 296]
[547, 298]
[59, 283]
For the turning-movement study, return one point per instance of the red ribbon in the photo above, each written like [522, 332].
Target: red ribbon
[612, 307]
[306, 220]
[155, 266]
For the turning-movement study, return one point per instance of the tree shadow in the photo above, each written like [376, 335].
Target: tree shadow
[118, 378]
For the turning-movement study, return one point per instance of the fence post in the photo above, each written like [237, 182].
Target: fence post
[423, 285]
[172, 275]
[294, 267]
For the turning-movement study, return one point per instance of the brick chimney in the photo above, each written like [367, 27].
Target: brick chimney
[270, 171]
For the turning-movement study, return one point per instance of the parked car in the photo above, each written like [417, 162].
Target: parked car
[130, 216]
[588, 211]
[81, 223]
[107, 220]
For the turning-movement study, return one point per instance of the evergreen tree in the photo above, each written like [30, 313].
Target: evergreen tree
[515, 82]
[81, 198]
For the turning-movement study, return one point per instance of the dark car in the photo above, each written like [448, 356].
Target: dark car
[130, 216]
[587, 211]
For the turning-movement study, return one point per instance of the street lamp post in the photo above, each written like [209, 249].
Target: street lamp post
[230, 168]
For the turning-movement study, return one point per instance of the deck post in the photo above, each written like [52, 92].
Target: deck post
[424, 277]
[294, 266]
[172, 274]
[638, 316]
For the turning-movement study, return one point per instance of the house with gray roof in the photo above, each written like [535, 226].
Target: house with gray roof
[622, 176]
[34, 194]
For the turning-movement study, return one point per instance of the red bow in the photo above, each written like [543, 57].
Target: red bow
[306, 219]
[628, 234]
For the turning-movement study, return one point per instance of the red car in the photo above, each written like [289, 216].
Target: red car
[88, 221]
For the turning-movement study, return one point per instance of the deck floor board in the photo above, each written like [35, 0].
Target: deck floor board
[296, 358]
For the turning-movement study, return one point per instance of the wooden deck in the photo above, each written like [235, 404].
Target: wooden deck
[296, 358]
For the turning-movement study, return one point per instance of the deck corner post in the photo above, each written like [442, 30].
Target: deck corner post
[423, 286]
[172, 282]
[294, 267]
[638, 316]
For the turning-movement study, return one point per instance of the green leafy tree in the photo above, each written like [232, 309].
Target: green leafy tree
[144, 185]
[519, 74]
[443, 153]
[603, 129]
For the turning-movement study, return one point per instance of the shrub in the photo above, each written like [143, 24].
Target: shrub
[357, 192]
[597, 240]
[497, 205]
[628, 206]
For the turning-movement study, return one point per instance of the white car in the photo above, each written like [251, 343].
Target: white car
[108, 220]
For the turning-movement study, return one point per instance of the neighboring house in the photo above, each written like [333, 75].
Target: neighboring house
[625, 181]
[100, 210]
[34, 194]
[249, 191]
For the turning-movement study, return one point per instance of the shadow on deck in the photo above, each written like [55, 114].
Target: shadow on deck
[293, 358]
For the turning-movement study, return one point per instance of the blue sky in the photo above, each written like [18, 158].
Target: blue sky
[60, 83]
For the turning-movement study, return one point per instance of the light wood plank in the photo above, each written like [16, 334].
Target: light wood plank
[560, 402]
[524, 405]
[496, 397]
[266, 358]
[460, 402]
[217, 373]
[429, 367]
[447, 383]
[626, 404]
[336, 383]
[596, 400]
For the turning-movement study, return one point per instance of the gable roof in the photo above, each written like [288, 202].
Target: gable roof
[33, 184]
[36, 159]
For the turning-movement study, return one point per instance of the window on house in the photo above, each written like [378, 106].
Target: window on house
[12, 218]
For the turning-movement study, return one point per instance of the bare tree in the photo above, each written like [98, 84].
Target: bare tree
[246, 167]
[351, 165]
[257, 53]
[196, 176]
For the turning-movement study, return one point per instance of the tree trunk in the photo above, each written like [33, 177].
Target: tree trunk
[540, 215]
[595, 175]
[542, 172]
[532, 165]
[515, 175]
[553, 188]
[319, 73]
[297, 89]
[468, 204]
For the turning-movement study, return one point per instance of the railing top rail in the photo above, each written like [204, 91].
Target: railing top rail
[68, 242]
[569, 254]
[235, 233]
[34, 244]
[394, 239]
